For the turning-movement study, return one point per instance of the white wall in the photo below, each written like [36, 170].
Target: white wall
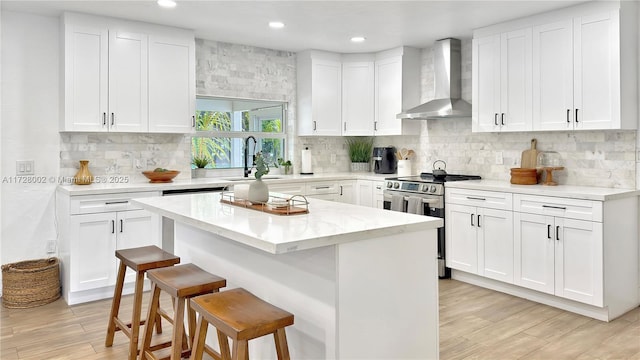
[29, 131]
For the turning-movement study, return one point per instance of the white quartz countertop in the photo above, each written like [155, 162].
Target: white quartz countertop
[327, 223]
[108, 187]
[565, 191]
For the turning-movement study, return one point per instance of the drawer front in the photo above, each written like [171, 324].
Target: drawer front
[90, 204]
[561, 207]
[290, 189]
[480, 198]
[322, 187]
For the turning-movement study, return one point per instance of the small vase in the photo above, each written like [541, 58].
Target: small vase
[83, 176]
[199, 173]
[258, 191]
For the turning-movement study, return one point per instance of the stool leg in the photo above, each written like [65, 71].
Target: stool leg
[199, 340]
[223, 341]
[135, 318]
[281, 344]
[115, 305]
[152, 316]
[240, 350]
[192, 323]
[178, 329]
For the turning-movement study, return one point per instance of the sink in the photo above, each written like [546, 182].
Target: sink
[266, 177]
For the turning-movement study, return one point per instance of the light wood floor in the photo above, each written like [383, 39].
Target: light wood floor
[475, 324]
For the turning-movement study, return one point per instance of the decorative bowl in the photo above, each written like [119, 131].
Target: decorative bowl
[160, 176]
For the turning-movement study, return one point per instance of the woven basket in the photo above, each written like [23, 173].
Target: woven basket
[30, 283]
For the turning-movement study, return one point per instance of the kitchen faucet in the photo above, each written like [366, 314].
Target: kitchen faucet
[247, 171]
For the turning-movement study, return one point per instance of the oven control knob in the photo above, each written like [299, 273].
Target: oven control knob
[396, 185]
[425, 188]
[389, 185]
[432, 189]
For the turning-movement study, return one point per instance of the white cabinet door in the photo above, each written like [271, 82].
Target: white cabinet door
[516, 84]
[486, 84]
[579, 260]
[135, 229]
[378, 194]
[364, 193]
[86, 76]
[92, 249]
[553, 76]
[326, 91]
[388, 96]
[347, 192]
[172, 84]
[357, 98]
[495, 244]
[128, 85]
[596, 72]
[534, 251]
[461, 245]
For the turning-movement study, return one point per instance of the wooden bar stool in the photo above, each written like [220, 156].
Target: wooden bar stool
[241, 316]
[139, 260]
[182, 282]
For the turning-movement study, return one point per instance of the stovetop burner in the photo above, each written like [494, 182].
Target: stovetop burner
[430, 178]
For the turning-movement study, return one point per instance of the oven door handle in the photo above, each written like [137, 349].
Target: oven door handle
[406, 198]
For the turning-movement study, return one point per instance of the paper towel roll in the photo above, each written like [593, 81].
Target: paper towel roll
[305, 165]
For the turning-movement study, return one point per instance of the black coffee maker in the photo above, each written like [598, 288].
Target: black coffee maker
[384, 160]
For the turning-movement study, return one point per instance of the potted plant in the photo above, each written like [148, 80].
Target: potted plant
[258, 190]
[200, 162]
[285, 165]
[360, 152]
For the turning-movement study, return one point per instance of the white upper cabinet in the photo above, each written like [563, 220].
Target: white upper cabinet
[319, 93]
[172, 90]
[570, 69]
[118, 78]
[397, 88]
[357, 97]
[502, 83]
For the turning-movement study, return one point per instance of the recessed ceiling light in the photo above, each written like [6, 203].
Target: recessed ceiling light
[276, 24]
[167, 3]
[358, 39]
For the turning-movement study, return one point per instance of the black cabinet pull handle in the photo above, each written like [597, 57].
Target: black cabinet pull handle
[113, 226]
[472, 224]
[568, 115]
[495, 119]
[193, 121]
[121, 225]
[375, 126]
[116, 202]
[104, 119]
[554, 207]
[548, 231]
[476, 198]
[340, 190]
[576, 115]
[113, 118]
[502, 119]
[479, 220]
[558, 233]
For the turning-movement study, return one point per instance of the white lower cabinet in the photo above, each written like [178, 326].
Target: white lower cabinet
[479, 241]
[347, 193]
[369, 193]
[92, 228]
[559, 256]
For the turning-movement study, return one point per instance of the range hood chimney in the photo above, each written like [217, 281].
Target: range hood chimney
[448, 102]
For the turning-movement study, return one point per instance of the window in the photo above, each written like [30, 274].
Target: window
[223, 124]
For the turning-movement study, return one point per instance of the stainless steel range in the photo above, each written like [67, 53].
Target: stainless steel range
[423, 195]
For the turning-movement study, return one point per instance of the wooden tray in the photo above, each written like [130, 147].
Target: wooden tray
[267, 208]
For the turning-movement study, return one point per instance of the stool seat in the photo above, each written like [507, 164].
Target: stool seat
[146, 258]
[182, 282]
[139, 260]
[241, 316]
[186, 280]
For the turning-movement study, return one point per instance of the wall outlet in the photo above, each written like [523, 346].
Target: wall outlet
[51, 246]
[24, 167]
[499, 158]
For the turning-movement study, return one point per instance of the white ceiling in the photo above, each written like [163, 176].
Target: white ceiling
[325, 25]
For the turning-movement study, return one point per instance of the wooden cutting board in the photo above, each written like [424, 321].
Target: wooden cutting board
[530, 157]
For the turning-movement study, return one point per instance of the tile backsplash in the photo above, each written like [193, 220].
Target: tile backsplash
[592, 158]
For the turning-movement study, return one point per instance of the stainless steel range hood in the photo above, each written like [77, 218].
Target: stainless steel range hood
[448, 102]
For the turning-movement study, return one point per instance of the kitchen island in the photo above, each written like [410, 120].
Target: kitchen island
[361, 282]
